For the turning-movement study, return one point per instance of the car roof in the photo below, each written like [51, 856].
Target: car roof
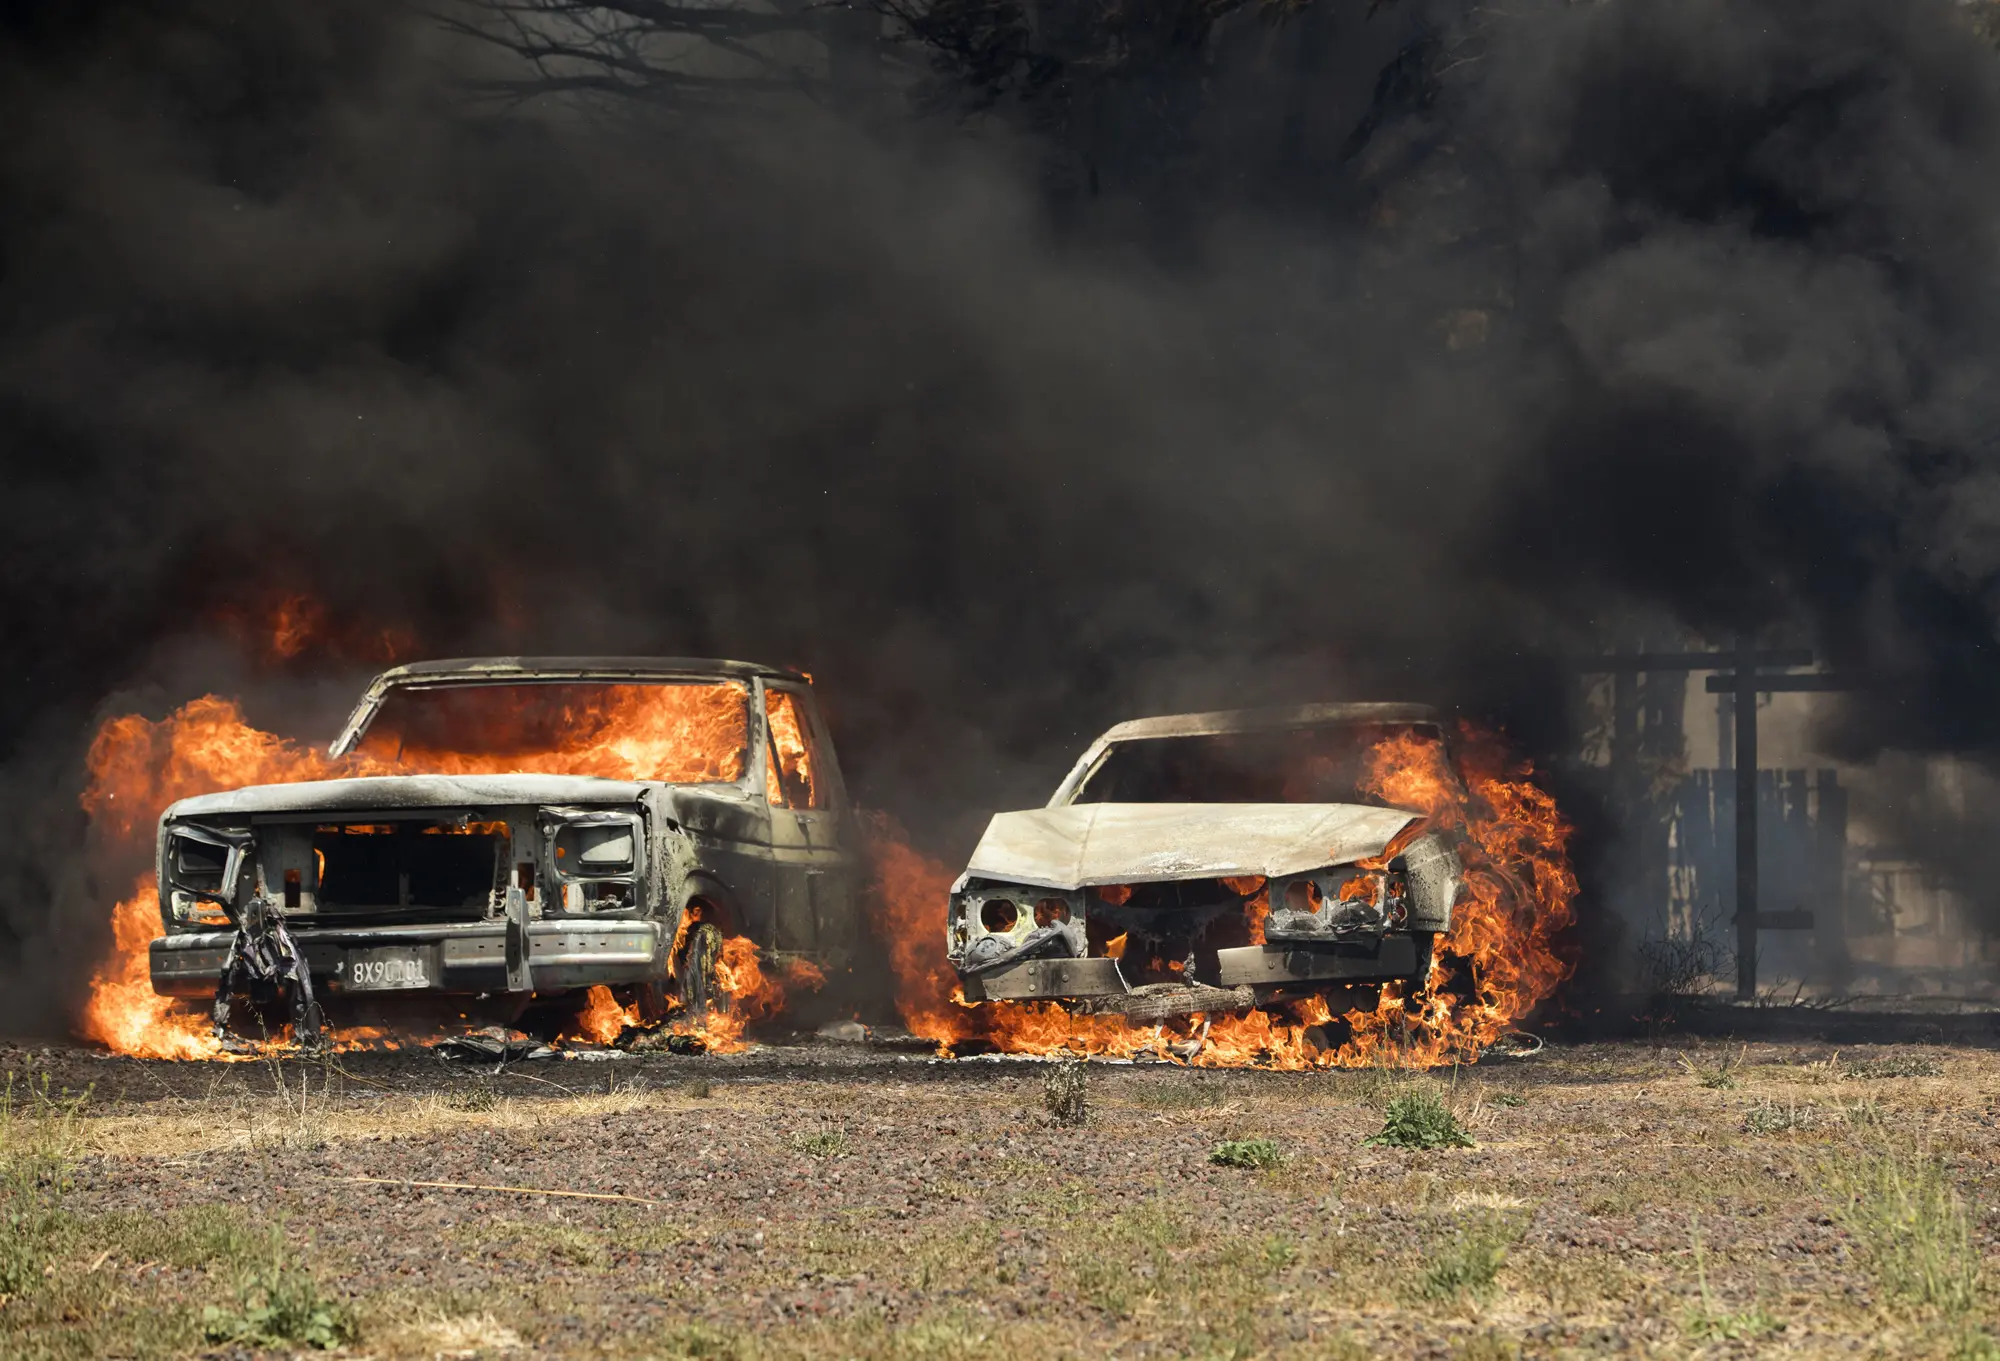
[489, 670]
[583, 668]
[1258, 720]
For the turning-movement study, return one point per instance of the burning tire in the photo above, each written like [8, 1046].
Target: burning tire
[700, 970]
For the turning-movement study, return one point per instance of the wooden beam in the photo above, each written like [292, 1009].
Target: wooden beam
[1744, 685]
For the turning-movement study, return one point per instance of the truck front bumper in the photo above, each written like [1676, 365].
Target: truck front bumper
[463, 957]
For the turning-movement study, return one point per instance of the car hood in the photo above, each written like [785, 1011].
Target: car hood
[408, 791]
[1088, 844]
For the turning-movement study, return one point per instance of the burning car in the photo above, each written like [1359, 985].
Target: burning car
[1208, 863]
[525, 828]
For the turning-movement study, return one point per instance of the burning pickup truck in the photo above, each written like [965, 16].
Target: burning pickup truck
[520, 828]
[1209, 863]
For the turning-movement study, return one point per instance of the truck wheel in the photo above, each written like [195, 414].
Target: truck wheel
[700, 972]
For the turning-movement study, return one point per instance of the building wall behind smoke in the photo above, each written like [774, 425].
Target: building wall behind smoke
[1885, 920]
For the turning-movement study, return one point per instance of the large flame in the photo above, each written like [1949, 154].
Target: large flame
[124, 1013]
[1498, 962]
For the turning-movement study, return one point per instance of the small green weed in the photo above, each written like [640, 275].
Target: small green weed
[1471, 1260]
[1709, 1323]
[697, 1087]
[1509, 1100]
[1253, 1153]
[828, 1141]
[1718, 1077]
[280, 1307]
[1419, 1118]
[1976, 1345]
[1280, 1251]
[1768, 1117]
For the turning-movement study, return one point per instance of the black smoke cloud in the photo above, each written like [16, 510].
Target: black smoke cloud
[1668, 313]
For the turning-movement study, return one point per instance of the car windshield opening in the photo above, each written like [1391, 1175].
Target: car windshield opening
[1328, 764]
[677, 731]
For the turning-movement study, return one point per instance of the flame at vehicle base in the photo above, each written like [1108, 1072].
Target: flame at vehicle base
[749, 995]
[1495, 965]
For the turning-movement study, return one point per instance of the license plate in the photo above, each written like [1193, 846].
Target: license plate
[384, 970]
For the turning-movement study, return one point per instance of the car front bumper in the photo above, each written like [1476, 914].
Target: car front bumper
[466, 957]
[1244, 971]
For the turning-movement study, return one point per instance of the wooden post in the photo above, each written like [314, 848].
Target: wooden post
[1746, 817]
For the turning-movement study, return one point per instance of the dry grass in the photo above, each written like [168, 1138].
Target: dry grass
[1625, 1208]
[289, 1118]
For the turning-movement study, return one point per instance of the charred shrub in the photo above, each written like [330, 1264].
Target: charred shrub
[1419, 1118]
[1064, 1093]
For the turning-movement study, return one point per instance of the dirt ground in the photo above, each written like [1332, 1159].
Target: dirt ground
[1678, 1198]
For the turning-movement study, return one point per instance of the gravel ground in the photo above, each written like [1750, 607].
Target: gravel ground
[865, 1200]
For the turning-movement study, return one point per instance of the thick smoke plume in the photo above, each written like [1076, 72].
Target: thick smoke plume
[1526, 326]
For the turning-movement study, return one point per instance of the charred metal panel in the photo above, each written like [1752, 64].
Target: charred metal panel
[1431, 869]
[1393, 956]
[1047, 978]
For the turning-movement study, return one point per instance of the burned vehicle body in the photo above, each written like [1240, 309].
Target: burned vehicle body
[1209, 862]
[479, 874]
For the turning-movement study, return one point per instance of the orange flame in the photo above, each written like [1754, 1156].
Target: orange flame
[602, 1020]
[124, 1013]
[1495, 965]
[284, 628]
[790, 765]
[750, 995]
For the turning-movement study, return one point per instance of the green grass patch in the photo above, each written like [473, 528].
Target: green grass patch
[1909, 1224]
[1251, 1153]
[1470, 1261]
[1419, 1118]
[1708, 1323]
[41, 1138]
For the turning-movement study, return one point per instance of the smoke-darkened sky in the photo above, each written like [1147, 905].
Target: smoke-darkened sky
[1639, 315]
